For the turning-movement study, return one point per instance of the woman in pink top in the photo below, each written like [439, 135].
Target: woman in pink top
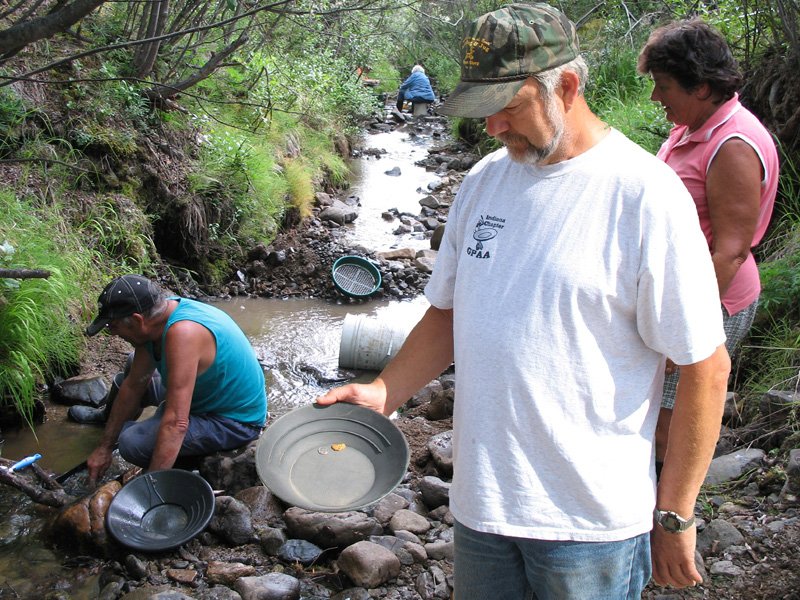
[726, 159]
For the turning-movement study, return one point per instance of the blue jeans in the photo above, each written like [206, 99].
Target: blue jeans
[495, 567]
[206, 434]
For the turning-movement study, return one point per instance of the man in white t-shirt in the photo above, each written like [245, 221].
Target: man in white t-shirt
[571, 266]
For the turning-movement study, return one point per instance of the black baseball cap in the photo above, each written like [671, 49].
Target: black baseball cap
[123, 297]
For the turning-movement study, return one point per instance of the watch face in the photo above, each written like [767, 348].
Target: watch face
[671, 522]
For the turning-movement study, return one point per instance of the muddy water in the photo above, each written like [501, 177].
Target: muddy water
[298, 341]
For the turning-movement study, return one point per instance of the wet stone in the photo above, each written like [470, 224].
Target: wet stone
[90, 390]
[232, 522]
[352, 594]
[273, 586]
[227, 573]
[264, 506]
[299, 551]
[330, 529]
[219, 592]
[185, 576]
[135, 567]
[270, 538]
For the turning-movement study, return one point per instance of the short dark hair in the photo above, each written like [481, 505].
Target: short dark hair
[693, 53]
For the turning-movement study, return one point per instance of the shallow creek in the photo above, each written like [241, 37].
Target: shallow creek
[298, 340]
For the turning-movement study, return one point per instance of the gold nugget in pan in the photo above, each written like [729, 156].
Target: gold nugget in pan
[338, 447]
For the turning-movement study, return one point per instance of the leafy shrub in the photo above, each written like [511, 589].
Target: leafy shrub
[39, 332]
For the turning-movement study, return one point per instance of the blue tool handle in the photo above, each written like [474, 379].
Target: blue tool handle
[25, 462]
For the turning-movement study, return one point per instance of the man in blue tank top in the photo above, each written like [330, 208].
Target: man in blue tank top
[212, 395]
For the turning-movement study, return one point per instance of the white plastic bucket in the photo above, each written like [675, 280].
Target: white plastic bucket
[369, 343]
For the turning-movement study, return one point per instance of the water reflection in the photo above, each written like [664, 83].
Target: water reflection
[298, 340]
[380, 192]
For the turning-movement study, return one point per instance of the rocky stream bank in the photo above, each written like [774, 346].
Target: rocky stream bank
[401, 547]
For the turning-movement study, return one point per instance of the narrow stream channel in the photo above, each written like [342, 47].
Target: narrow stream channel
[297, 339]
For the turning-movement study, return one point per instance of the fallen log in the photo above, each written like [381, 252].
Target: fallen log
[24, 274]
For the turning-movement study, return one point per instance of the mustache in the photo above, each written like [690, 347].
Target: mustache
[511, 138]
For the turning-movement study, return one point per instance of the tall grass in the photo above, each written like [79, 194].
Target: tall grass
[621, 97]
[772, 351]
[40, 319]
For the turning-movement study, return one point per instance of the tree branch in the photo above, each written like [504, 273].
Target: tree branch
[52, 65]
[24, 274]
[162, 92]
[13, 39]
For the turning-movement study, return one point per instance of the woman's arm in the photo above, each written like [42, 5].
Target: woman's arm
[733, 189]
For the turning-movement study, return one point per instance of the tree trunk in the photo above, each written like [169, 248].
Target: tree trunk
[13, 39]
[145, 58]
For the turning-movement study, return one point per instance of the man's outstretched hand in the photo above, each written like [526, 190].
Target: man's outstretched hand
[371, 395]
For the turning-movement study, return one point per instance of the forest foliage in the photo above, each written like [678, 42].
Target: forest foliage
[181, 132]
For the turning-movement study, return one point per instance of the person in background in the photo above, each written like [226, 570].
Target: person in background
[572, 264]
[214, 395]
[726, 159]
[417, 88]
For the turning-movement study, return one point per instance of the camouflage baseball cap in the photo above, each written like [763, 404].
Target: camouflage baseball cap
[502, 49]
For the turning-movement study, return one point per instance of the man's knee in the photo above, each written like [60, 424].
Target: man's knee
[134, 447]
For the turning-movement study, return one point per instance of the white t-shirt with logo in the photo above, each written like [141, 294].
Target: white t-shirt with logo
[569, 284]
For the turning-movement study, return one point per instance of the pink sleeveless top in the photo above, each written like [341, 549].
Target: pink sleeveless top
[690, 158]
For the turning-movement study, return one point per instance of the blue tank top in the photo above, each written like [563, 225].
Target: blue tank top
[233, 385]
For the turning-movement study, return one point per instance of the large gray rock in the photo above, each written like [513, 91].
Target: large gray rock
[397, 254]
[732, 466]
[328, 530]
[435, 492]
[265, 508]
[226, 573]
[90, 390]
[436, 238]
[388, 505]
[717, 536]
[432, 584]
[231, 470]
[407, 552]
[406, 520]
[429, 201]
[791, 488]
[441, 448]
[368, 565]
[273, 586]
[339, 213]
[231, 521]
[218, 592]
[424, 264]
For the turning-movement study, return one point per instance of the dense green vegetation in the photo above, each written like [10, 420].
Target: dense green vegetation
[144, 136]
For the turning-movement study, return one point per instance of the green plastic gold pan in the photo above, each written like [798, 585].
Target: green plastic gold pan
[331, 458]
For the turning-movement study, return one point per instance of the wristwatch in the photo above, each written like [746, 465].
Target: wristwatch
[672, 521]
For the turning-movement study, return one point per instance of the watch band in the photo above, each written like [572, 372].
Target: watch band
[672, 521]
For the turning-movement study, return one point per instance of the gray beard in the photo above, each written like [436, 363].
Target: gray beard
[534, 155]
